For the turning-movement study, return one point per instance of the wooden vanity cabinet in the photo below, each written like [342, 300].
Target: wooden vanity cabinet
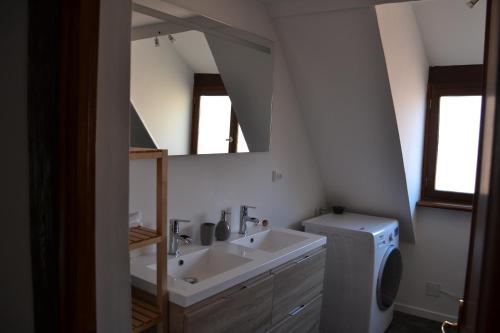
[296, 283]
[283, 300]
[303, 320]
[245, 308]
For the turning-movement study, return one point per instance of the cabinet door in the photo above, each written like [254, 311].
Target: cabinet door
[304, 319]
[297, 283]
[244, 308]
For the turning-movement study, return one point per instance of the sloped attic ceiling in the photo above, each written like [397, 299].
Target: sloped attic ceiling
[338, 68]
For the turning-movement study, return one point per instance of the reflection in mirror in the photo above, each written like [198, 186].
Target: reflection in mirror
[198, 88]
[215, 128]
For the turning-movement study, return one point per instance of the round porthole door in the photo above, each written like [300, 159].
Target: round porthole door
[389, 277]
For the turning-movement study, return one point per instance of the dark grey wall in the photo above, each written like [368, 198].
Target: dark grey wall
[16, 298]
[139, 135]
[112, 144]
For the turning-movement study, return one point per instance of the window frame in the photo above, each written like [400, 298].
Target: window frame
[445, 81]
[210, 85]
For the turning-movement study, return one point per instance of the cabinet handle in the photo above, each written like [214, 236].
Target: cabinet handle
[296, 310]
[310, 255]
[302, 259]
[234, 292]
[253, 283]
[211, 306]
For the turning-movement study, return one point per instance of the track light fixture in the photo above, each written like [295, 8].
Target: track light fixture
[157, 40]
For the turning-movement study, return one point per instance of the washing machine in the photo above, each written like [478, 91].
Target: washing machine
[363, 271]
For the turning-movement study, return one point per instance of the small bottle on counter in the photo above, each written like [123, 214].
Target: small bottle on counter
[223, 229]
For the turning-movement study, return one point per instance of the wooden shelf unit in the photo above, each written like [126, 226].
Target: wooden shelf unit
[141, 236]
[145, 314]
[145, 154]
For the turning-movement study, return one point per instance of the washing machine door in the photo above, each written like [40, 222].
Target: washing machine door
[389, 277]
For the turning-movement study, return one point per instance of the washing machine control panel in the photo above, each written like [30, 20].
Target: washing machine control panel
[382, 239]
[387, 237]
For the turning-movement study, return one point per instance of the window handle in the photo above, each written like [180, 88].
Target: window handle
[230, 139]
[447, 324]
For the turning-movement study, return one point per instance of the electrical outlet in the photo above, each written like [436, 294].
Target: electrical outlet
[277, 175]
[433, 289]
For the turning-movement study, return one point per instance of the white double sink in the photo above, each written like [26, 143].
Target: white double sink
[202, 271]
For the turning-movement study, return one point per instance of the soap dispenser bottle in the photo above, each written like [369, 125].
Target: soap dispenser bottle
[223, 229]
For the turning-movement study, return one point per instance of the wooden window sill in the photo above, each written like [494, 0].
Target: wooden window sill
[444, 205]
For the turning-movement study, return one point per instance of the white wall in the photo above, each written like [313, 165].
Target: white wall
[440, 256]
[442, 236]
[112, 141]
[408, 68]
[338, 68]
[200, 186]
[161, 89]
[16, 301]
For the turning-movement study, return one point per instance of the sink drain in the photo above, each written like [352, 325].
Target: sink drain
[190, 279]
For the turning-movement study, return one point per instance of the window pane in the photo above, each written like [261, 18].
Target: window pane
[458, 138]
[214, 123]
[242, 146]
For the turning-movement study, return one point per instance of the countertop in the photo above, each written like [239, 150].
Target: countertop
[182, 293]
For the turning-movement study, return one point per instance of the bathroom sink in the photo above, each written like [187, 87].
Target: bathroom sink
[203, 264]
[270, 240]
[200, 271]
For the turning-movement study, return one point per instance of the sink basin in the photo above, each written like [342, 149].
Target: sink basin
[201, 265]
[270, 240]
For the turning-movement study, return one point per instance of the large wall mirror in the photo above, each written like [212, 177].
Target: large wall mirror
[197, 86]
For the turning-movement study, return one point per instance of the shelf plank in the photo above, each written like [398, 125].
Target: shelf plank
[143, 153]
[141, 236]
[144, 315]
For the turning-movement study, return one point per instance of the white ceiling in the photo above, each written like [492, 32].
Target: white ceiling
[452, 33]
[166, 7]
[193, 47]
[139, 20]
[271, 1]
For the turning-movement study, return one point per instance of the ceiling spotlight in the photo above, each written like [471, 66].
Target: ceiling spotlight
[472, 3]
[157, 40]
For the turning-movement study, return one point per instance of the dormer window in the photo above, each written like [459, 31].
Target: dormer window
[452, 136]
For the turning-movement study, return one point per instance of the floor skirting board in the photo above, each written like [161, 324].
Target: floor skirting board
[424, 313]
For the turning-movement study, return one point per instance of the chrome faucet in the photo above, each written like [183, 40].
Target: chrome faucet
[244, 218]
[174, 238]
